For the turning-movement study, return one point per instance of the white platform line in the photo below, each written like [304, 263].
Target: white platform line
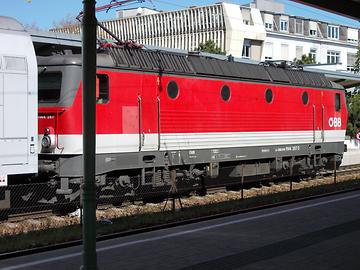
[151, 239]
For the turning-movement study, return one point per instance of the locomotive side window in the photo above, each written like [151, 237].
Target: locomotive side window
[102, 88]
[225, 93]
[172, 90]
[269, 95]
[305, 98]
[337, 102]
[49, 87]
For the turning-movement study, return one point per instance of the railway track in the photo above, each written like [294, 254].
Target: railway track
[33, 215]
[349, 169]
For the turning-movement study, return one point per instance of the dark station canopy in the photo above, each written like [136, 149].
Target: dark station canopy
[348, 8]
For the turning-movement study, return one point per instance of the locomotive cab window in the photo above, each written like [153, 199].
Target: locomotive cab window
[269, 95]
[337, 102]
[225, 93]
[172, 90]
[102, 88]
[49, 86]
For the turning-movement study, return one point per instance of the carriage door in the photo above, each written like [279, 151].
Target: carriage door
[14, 111]
[148, 111]
[322, 123]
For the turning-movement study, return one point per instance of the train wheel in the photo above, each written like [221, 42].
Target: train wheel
[233, 187]
[202, 191]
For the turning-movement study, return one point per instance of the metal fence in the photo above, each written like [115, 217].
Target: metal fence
[50, 196]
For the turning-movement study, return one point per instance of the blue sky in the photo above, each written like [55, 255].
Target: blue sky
[43, 13]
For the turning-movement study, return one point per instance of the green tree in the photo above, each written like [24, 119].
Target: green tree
[210, 47]
[353, 103]
[357, 61]
[305, 60]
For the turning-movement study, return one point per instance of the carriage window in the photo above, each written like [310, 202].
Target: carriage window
[102, 88]
[305, 98]
[49, 87]
[337, 102]
[225, 93]
[172, 90]
[269, 95]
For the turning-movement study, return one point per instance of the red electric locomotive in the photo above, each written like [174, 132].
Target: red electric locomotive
[164, 117]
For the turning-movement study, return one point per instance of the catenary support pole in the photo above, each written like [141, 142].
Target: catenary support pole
[89, 113]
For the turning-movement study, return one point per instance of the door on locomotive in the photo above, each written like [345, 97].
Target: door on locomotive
[149, 129]
[318, 123]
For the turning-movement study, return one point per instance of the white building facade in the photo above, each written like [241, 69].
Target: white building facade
[260, 31]
[290, 37]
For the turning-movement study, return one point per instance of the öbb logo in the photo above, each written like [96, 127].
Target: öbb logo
[334, 122]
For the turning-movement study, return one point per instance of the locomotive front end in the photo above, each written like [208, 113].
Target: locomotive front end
[59, 83]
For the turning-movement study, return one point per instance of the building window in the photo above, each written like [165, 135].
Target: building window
[313, 27]
[351, 57]
[299, 52]
[284, 52]
[246, 49]
[333, 57]
[299, 29]
[269, 26]
[313, 32]
[352, 35]
[283, 25]
[312, 53]
[268, 51]
[225, 93]
[333, 32]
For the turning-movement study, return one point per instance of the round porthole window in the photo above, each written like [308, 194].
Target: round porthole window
[225, 93]
[305, 98]
[172, 90]
[269, 95]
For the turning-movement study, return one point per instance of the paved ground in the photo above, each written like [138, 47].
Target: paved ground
[320, 234]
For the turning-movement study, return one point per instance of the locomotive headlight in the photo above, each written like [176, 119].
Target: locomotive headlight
[47, 131]
[46, 141]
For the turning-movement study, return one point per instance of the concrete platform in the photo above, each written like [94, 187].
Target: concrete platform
[317, 234]
[351, 157]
